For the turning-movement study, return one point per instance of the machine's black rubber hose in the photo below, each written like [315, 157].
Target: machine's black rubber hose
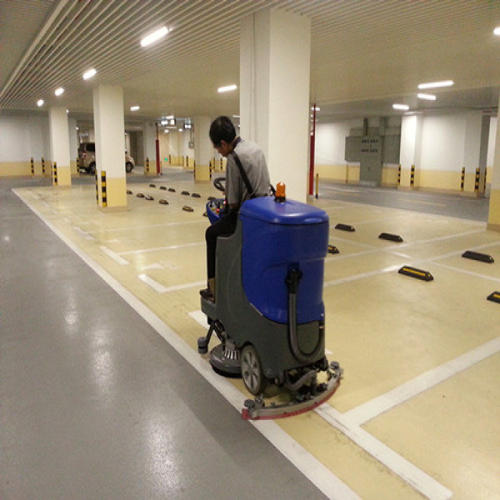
[292, 282]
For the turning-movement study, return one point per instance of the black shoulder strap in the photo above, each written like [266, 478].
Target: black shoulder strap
[243, 174]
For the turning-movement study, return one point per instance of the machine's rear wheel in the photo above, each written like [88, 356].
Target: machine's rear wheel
[251, 370]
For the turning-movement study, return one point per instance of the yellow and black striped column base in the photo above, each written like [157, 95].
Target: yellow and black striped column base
[111, 193]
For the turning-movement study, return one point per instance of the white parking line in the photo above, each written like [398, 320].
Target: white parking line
[86, 235]
[200, 318]
[407, 471]
[152, 283]
[165, 224]
[470, 273]
[383, 403]
[157, 249]
[361, 276]
[116, 257]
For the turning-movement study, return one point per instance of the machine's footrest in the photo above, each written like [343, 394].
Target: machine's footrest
[255, 409]
[209, 308]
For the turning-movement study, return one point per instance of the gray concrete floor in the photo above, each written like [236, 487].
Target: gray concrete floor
[95, 404]
[452, 205]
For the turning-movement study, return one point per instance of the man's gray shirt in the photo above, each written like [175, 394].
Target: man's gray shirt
[254, 164]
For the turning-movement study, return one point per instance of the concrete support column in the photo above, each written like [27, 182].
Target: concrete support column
[203, 148]
[474, 150]
[109, 127]
[73, 145]
[494, 213]
[275, 52]
[483, 153]
[410, 150]
[59, 146]
[149, 139]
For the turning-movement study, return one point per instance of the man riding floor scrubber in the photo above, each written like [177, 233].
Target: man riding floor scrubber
[269, 312]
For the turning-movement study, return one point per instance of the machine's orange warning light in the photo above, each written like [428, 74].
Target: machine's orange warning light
[280, 192]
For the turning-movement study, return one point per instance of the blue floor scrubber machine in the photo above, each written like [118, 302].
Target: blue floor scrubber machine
[268, 312]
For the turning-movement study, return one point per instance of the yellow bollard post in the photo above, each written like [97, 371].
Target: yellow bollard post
[32, 166]
[399, 175]
[462, 179]
[412, 176]
[476, 184]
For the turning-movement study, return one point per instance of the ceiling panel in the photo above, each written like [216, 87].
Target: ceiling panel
[361, 50]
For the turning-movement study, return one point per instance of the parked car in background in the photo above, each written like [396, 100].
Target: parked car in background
[86, 158]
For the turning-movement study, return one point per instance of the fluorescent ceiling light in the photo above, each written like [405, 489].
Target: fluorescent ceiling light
[427, 97]
[154, 37]
[434, 85]
[169, 117]
[165, 131]
[181, 130]
[236, 116]
[172, 121]
[402, 107]
[164, 122]
[187, 125]
[317, 108]
[40, 102]
[89, 74]
[135, 108]
[227, 88]
[67, 111]
[59, 91]
[496, 31]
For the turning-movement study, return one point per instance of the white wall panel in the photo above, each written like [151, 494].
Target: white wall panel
[443, 139]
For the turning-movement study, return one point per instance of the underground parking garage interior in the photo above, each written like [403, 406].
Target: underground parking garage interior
[351, 349]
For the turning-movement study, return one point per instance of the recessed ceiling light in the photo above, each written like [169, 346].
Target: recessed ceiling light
[155, 36]
[402, 107]
[135, 108]
[434, 85]
[496, 31]
[59, 91]
[89, 74]
[227, 88]
[67, 111]
[165, 131]
[427, 97]
[40, 102]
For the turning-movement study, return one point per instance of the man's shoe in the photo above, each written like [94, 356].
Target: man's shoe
[206, 294]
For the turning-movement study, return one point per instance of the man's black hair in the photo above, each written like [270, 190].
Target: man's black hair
[222, 129]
